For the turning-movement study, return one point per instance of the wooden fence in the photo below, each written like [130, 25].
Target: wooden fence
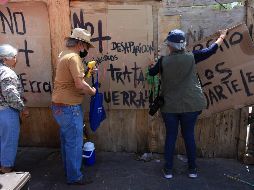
[133, 130]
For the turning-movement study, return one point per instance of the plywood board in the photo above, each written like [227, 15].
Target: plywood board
[141, 132]
[133, 45]
[122, 50]
[26, 26]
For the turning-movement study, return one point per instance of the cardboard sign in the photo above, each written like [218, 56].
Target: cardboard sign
[227, 77]
[26, 27]
[123, 49]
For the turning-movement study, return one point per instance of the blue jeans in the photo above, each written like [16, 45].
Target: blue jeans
[9, 136]
[70, 120]
[187, 121]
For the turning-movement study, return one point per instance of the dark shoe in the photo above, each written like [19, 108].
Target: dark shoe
[193, 173]
[167, 173]
[81, 182]
[4, 170]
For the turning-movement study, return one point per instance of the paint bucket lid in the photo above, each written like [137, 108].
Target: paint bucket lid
[88, 146]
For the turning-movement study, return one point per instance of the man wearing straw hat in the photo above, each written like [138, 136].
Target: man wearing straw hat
[68, 93]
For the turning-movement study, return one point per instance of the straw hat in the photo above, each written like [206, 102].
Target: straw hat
[82, 35]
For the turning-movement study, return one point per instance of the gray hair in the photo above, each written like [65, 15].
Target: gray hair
[71, 42]
[7, 51]
[177, 46]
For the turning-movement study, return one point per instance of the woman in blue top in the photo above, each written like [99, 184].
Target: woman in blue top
[183, 96]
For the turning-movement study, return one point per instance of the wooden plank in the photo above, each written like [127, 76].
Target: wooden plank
[130, 130]
[156, 133]
[217, 136]
[122, 131]
[101, 137]
[227, 126]
[205, 134]
[39, 129]
[172, 3]
[250, 20]
[250, 3]
[153, 124]
[18, 1]
[115, 125]
[189, 3]
[60, 26]
[242, 133]
[89, 7]
[142, 130]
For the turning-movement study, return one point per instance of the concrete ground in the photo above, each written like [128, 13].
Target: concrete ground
[122, 171]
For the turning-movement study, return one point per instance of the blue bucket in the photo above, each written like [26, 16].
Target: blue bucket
[89, 153]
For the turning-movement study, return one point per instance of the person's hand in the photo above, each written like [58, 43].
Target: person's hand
[94, 70]
[150, 62]
[223, 33]
[25, 113]
[24, 99]
[93, 91]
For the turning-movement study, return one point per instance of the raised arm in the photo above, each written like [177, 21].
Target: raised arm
[201, 55]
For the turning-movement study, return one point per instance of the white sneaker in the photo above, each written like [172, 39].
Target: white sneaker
[167, 173]
[193, 173]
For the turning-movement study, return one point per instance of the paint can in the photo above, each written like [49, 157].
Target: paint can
[89, 153]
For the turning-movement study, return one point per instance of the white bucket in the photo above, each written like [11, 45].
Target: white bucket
[89, 153]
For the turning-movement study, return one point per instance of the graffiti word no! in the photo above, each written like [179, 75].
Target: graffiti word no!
[10, 20]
